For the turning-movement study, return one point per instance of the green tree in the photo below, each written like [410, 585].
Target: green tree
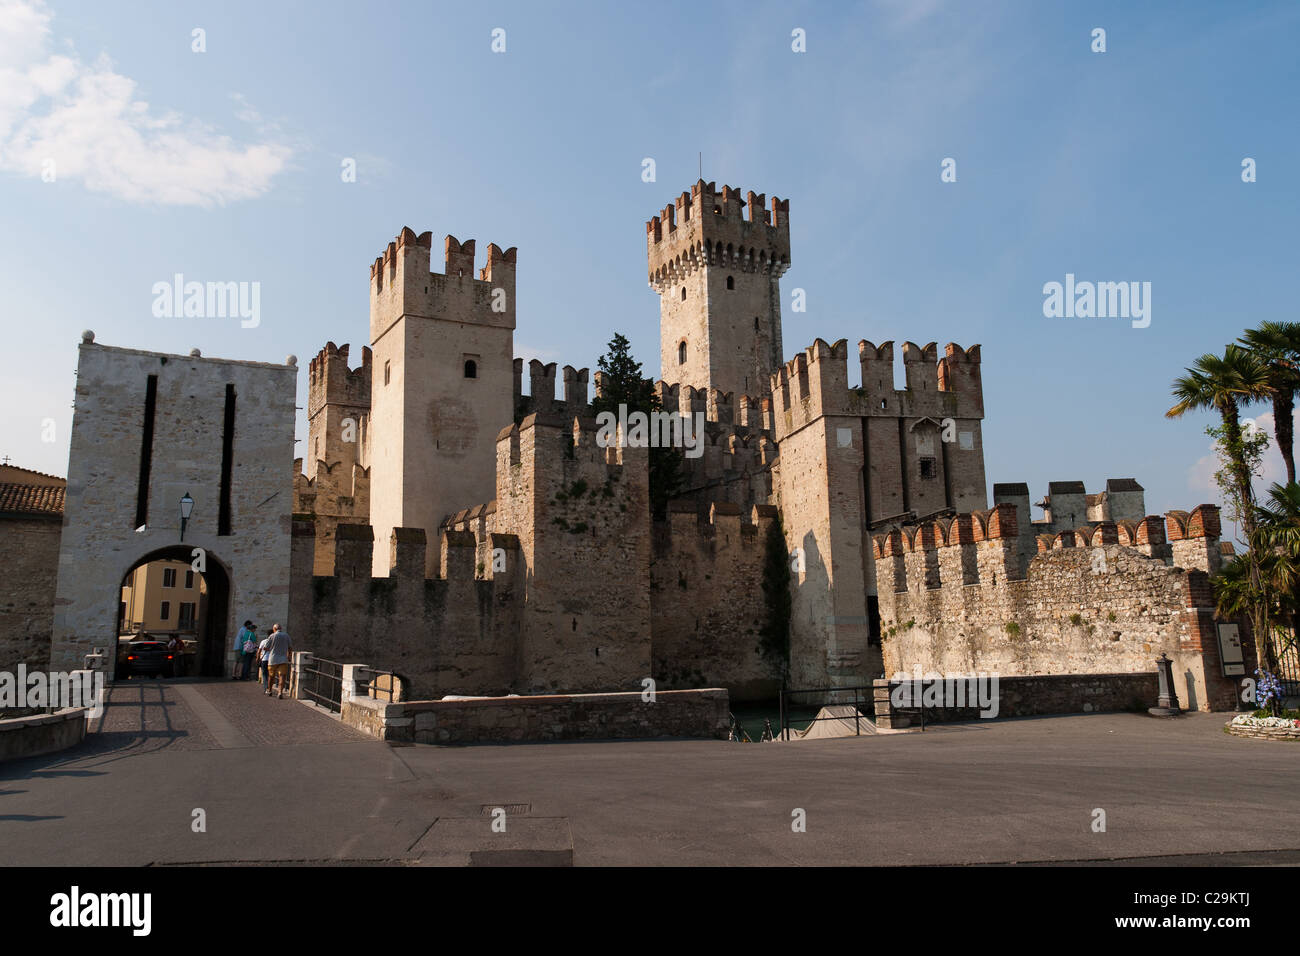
[1264, 583]
[1224, 384]
[623, 384]
[1277, 345]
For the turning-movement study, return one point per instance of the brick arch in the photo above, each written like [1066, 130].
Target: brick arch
[1176, 523]
[1127, 531]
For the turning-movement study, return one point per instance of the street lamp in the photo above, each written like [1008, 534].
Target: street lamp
[187, 508]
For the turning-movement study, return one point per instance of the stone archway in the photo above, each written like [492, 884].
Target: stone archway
[213, 620]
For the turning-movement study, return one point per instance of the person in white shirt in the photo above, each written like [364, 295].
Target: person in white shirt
[262, 666]
[278, 648]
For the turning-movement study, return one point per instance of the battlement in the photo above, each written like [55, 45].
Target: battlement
[980, 548]
[1068, 503]
[560, 437]
[815, 383]
[330, 380]
[541, 379]
[725, 408]
[354, 546]
[402, 283]
[707, 226]
[724, 524]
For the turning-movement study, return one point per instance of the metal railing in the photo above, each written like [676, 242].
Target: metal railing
[736, 732]
[828, 695]
[384, 685]
[322, 682]
[1288, 667]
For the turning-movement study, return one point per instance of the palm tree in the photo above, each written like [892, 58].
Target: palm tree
[1279, 545]
[1225, 383]
[1277, 345]
[1264, 583]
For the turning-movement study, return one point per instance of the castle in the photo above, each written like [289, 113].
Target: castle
[481, 540]
[412, 441]
[478, 540]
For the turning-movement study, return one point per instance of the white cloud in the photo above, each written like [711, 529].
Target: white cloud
[91, 123]
[1200, 476]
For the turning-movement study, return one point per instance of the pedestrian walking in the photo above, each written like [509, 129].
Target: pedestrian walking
[246, 645]
[262, 665]
[176, 647]
[277, 655]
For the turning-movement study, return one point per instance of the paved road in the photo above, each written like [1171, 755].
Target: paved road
[281, 783]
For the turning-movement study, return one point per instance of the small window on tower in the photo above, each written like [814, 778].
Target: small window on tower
[683, 293]
[755, 323]
[388, 372]
[928, 468]
[471, 368]
[731, 282]
[681, 354]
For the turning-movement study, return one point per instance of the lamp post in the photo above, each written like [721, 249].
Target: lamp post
[187, 509]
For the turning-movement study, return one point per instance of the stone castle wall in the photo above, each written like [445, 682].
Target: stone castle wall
[954, 599]
[707, 608]
[559, 584]
[455, 633]
[29, 554]
[103, 537]
[333, 483]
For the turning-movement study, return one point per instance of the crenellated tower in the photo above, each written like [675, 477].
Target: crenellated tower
[338, 407]
[716, 261]
[442, 382]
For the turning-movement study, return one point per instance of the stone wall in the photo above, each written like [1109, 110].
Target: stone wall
[102, 537]
[707, 608]
[953, 600]
[453, 634]
[1030, 696]
[553, 586]
[582, 516]
[41, 734]
[331, 482]
[29, 555]
[687, 713]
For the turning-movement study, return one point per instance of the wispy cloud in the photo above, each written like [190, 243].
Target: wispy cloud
[1200, 476]
[86, 122]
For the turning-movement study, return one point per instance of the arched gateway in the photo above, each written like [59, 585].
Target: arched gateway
[205, 628]
[178, 458]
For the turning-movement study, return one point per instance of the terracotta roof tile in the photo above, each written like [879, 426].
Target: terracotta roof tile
[31, 499]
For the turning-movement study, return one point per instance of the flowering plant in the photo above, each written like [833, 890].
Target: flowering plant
[1268, 691]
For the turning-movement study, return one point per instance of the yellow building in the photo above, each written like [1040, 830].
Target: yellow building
[162, 597]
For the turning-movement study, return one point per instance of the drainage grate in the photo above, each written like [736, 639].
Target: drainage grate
[511, 809]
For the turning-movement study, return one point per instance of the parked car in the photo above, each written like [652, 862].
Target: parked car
[151, 658]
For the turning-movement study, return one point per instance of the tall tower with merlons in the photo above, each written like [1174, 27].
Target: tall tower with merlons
[716, 262]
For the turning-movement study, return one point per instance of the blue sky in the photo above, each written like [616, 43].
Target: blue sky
[225, 165]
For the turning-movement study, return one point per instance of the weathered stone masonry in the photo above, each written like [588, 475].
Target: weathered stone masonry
[101, 541]
[1093, 601]
[536, 591]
